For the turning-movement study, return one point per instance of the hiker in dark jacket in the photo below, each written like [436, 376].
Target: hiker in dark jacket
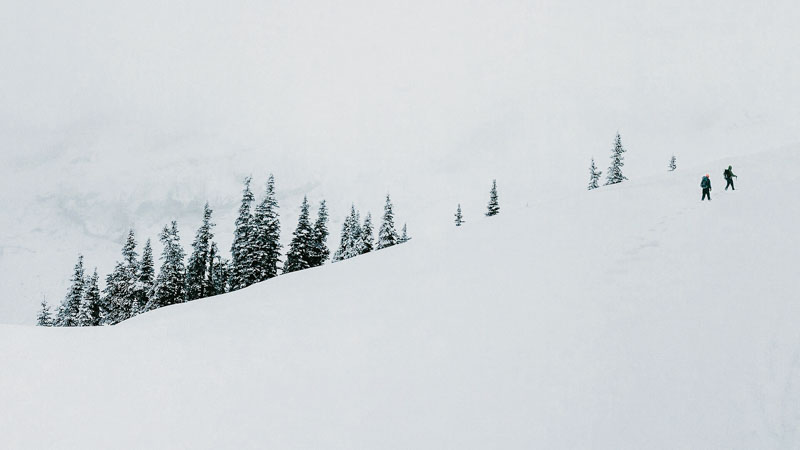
[706, 185]
[729, 178]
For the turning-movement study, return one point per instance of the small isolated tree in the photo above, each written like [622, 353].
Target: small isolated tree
[68, 311]
[45, 318]
[387, 236]
[169, 287]
[494, 205]
[614, 174]
[404, 236]
[367, 238]
[266, 239]
[200, 260]
[594, 176]
[242, 273]
[300, 249]
[672, 164]
[89, 311]
[319, 250]
[459, 216]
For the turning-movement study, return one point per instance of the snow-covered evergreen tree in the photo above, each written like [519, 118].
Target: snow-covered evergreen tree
[614, 174]
[242, 271]
[45, 318]
[67, 315]
[120, 293]
[404, 236]
[320, 252]
[217, 281]
[266, 238]
[367, 235]
[594, 176]
[89, 310]
[352, 242]
[302, 246]
[199, 263]
[459, 216]
[169, 287]
[387, 236]
[146, 279]
[494, 205]
[672, 164]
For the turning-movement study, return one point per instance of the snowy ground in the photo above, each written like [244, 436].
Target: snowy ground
[633, 316]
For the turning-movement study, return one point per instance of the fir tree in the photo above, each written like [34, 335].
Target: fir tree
[146, 279]
[217, 281]
[672, 164]
[45, 318]
[367, 235]
[404, 237]
[320, 252]
[344, 240]
[459, 216]
[199, 263]
[594, 176]
[387, 236]
[68, 311]
[242, 273]
[169, 286]
[266, 239]
[89, 311]
[615, 175]
[494, 206]
[352, 242]
[302, 246]
[120, 294]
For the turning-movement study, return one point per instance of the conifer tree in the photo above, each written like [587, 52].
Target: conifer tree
[614, 174]
[217, 280]
[242, 273]
[68, 311]
[89, 310]
[169, 287]
[344, 240]
[355, 240]
[146, 279]
[120, 293]
[387, 236]
[672, 164]
[301, 248]
[367, 235]
[459, 216]
[199, 263]
[494, 205]
[404, 237]
[45, 318]
[266, 239]
[594, 176]
[320, 252]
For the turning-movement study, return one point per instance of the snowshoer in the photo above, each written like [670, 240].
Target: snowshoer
[706, 185]
[729, 178]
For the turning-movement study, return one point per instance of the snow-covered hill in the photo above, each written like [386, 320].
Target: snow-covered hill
[633, 316]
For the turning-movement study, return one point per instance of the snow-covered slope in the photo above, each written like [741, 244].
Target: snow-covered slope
[634, 316]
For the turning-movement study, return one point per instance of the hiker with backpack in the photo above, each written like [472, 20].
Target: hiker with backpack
[728, 174]
[705, 183]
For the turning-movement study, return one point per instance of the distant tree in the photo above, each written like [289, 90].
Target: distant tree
[302, 246]
[120, 293]
[352, 243]
[266, 238]
[146, 279]
[494, 205]
[459, 216]
[217, 281]
[614, 174]
[242, 272]
[594, 176]
[169, 287]
[199, 264]
[89, 310]
[387, 236]
[320, 252]
[367, 235]
[672, 164]
[67, 315]
[45, 318]
[404, 237]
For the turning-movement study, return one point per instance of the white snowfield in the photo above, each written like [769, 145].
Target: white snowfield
[633, 316]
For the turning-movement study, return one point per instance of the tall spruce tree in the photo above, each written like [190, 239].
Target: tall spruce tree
[387, 236]
[89, 311]
[459, 216]
[494, 205]
[404, 236]
[169, 287]
[45, 318]
[594, 176]
[367, 235]
[120, 293]
[319, 251]
[672, 164]
[242, 271]
[146, 279]
[266, 239]
[217, 281]
[199, 264]
[302, 246]
[67, 315]
[614, 174]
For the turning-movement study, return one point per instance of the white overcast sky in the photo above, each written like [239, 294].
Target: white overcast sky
[131, 113]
